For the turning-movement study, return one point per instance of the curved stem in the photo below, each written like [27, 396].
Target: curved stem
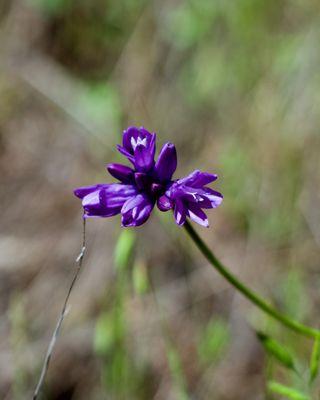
[248, 293]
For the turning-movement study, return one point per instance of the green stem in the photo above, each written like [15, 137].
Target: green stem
[248, 293]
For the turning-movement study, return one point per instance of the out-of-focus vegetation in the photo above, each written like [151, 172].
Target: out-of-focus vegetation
[236, 86]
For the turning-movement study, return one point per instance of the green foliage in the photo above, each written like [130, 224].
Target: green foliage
[88, 36]
[18, 342]
[280, 219]
[124, 249]
[288, 392]
[315, 359]
[52, 6]
[293, 293]
[100, 104]
[105, 334]
[121, 374]
[190, 22]
[235, 160]
[140, 277]
[278, 351]
[243, 26]
[176, 371]
[213, 341]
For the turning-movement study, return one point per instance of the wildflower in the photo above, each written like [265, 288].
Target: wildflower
[148, 183]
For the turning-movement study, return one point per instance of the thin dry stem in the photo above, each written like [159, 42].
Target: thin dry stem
[63, 313]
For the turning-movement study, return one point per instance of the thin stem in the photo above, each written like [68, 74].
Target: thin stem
[61, 317]
[248, 293]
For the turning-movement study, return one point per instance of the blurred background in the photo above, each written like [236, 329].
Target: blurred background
[236, 86]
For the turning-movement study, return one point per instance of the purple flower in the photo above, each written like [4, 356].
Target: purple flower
[139, 146]
[149, 183]
[189, 195]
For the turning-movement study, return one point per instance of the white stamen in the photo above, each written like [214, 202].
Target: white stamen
[135, 143]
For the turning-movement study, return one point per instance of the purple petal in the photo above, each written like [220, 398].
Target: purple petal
[189, 200]
[164, 203]
[144, 158]
[197, 215]
[205, 197]
[145, 132]
[180, 212]
[198, 179]
[136, 210]
[166, 163]
[107, 200]
[152, 144]
[133, 136]
[182, 192]
[211, 197]
[121, 172]
[156, 189]
[139, 147]
[91, 200]
[93, 208]
[142, 180]
[116, 194]
[125, 152]
[83, 191]
[128, 134]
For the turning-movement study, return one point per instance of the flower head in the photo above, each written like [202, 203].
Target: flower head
[189, 195]
[149, 183]
[139, 146]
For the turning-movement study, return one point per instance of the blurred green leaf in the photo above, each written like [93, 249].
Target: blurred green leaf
[51, 6]
[315, 359]
[213, 341]
[19, 340]
[99, 103]
[140, 277]
[236, 160]
[110, 329]
[188, 23]
[120, 371]
[287, 391]
[177, 371]
[276, 350]
[124, 249]
[104, 334]
[293, 294]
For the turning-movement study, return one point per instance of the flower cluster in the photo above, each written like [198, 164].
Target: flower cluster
[147, 183]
